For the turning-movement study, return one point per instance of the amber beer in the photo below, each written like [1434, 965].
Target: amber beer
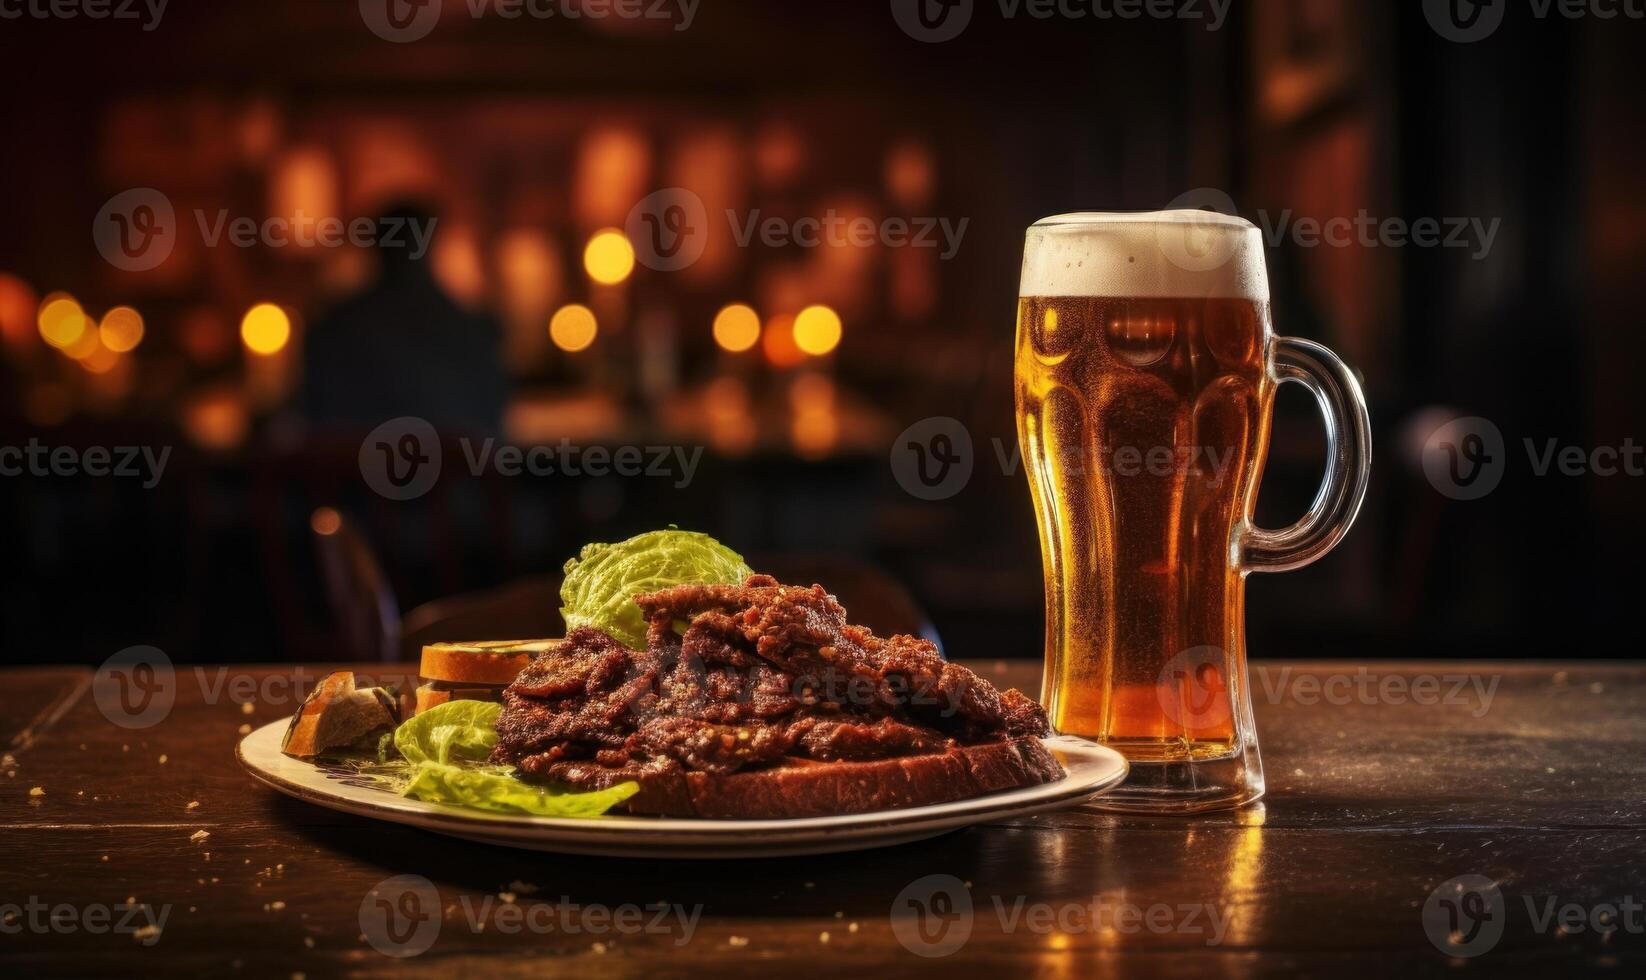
[1145, 381]
[1145, 424]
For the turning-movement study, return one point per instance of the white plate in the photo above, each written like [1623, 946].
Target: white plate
[1090, 768]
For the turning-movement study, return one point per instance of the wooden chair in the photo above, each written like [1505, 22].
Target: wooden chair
[528, 609]
[357, 590]
[433, 545]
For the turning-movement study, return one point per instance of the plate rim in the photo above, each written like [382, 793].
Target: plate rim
[659, 829]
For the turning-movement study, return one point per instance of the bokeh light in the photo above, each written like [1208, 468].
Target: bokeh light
[573, 328]
[817, 330]
[526, 261]
[62, 322]
[814, 426]
[733, 429]
[86, 344]
[217, 419]
[325, 521]
[304, 186]
[610, 174]
[812, 392]
[909, 174]
[265, 329]
[777, 342]
[609, 258]
[779, 154]
[17, 309]
[458, 264]
[121, 329]
[814, 434]
[737, 327]
[100, 360]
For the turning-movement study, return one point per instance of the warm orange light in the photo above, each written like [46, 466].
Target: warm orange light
[62, 322]
[305, 184]
[815, 434]
[609, 258]
[573, 328]
[86, 344]
[777, 342]
[121, 329]
[610, 175]
[528, 270]
[100, 360]
[812, 392]
[217, 420]
[458, 266]
[817, 330]
[265, 329]
[17, 308]
[732, 427]
[325, 521]
[779, 154]
[737, 328]
[909, 174]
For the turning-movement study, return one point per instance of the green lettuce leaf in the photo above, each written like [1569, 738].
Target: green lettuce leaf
[494, 788]
[446, 748]
[457, 731]
[603, 580]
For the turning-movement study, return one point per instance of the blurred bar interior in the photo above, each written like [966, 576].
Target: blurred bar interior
[794, 368]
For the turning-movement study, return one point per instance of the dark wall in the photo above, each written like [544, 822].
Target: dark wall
[1537, 126]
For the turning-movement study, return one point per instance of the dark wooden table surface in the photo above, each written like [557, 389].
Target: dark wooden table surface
[1382, 791]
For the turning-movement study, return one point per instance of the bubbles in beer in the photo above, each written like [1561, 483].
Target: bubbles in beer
[1231, 340]
[1141, 338]
[1048, 343]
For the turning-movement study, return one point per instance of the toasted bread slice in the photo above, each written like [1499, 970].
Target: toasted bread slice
[475, 671]
[434, 694]
[815, 789]
[484, 662]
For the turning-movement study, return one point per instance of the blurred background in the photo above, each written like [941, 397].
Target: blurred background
[541, 314]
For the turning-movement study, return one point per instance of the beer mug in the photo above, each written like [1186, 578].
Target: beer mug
[1146, 368]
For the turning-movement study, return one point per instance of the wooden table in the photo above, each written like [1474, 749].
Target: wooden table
[1372, 807]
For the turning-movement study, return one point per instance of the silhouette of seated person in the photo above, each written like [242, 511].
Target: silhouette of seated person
[402, 346]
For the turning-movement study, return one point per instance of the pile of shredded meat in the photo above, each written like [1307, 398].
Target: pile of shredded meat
[739, 677]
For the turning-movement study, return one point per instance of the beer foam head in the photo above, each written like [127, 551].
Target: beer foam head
[1152, 254]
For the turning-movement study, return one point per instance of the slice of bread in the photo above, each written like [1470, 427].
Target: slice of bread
[434, 694]
[806, 788]
[477, 671]
[486, 662]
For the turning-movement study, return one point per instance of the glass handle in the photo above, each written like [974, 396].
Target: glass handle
[1348, 461]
